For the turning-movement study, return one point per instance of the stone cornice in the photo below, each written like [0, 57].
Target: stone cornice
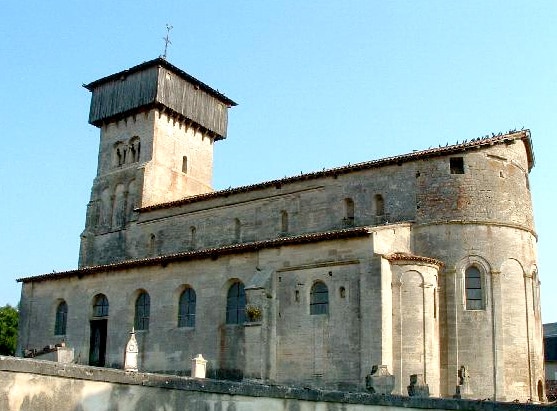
[405, 258]
[478, 222]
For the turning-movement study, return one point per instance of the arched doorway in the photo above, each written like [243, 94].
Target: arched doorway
[99, 322]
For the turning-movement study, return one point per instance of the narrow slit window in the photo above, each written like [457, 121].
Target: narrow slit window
[193, 240]
[237, 230]
[152, 244]
[379, 205]
[284, 221]
[185, 164]
[348, 212]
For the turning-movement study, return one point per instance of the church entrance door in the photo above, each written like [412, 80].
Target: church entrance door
[97, 345]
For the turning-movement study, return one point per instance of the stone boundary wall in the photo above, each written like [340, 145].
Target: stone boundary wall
[43, 385]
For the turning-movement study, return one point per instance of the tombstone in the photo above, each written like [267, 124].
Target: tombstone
[198, 366]
[64, 355]
[380, 381]
[132, 351]
[463, 388]
[418, 386]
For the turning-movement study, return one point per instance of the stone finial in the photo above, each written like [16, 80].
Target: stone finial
[418, 386]
[132, 351]
[380, 381]
[198, 366]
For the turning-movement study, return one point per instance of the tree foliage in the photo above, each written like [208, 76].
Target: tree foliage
[9, 318]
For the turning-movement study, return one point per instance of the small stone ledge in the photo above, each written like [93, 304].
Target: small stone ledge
[248, 388]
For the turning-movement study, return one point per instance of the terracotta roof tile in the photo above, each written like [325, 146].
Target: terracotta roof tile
[411, 257]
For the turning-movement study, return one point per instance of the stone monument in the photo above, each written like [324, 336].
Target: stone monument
[380, 381]
[198, 366]
[418, 386]
[463, 388]
[132, 351]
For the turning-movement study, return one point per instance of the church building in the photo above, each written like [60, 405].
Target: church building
[422, 262]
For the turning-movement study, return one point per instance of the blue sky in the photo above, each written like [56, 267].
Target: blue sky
[319, 84]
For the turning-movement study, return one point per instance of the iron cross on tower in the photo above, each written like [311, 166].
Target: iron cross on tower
[167, 40]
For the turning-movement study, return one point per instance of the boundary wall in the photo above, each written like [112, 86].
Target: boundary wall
[42, 385]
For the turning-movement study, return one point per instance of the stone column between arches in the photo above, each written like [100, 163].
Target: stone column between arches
[415, 323]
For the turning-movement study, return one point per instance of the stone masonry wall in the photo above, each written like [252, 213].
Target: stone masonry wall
[493, 189]
[145, 159]
[322, 350]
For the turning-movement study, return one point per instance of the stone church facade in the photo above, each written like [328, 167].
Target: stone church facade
[423, 262]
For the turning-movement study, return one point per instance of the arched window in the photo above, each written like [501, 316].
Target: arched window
[142, 311]
[134, 147]
[61, 319]
[319, 299]
[100, 306]
[120, 150]
[348, 212]
[284, 221]
[186, 308]
[236, 304]
[473, 285]
[379, 205]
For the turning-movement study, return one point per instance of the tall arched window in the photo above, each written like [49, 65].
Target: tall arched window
[348, 212]
[474, 291]
[142, 311]
[186, 308]
[100, 306]
[319, 299]
[61, 319]
[120, 151]
[236, 304]
[134, 148]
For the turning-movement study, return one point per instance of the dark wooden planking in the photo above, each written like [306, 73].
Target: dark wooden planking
[192, 102]
[156, 85]
[122, 95]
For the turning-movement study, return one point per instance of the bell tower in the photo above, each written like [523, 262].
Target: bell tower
[157, 127]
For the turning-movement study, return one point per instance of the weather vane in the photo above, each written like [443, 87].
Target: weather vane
[167, 40]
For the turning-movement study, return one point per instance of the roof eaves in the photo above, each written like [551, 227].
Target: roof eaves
[413, 258]
[164, 63]
[333, 172]
[205, 253]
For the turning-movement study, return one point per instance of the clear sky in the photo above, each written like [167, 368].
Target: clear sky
[319, 84]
